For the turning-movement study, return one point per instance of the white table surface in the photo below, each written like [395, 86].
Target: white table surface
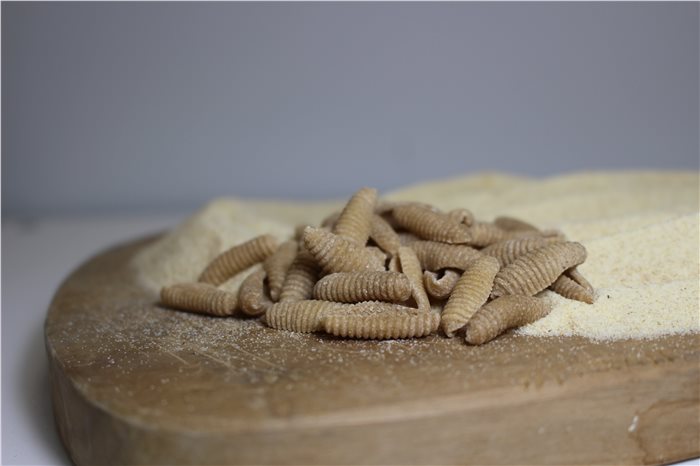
[36, 257]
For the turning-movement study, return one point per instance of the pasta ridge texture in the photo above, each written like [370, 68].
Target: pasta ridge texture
[299, 316]
[483, 234]
[410, 266]
[470, 293]
[354, 287]
[440, 288]
[569, 288]
[238, 258]
[384, 235]
[503, 313]
[461, 215]
[431, 225]
[509, 250]
[355, 221]
[301, 277]
[199, 297]
[536, 270]
[576, 276]
[337, 254]
[277, 265]
[380, 321]
[252, 298]
[435, 256]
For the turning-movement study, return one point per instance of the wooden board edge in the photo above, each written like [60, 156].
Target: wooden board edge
[634, 419]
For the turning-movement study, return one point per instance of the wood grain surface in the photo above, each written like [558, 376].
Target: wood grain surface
[134, 383]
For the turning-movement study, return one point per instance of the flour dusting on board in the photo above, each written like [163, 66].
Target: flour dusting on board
[641, 231]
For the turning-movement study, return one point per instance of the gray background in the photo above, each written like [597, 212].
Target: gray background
[112, 107]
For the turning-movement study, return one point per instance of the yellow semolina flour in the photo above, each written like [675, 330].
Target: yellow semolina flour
[641, 230]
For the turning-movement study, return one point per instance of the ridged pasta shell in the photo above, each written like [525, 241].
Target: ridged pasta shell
[431, 225]
[469, 294]
[536, 270]
[503, 313]
[355, 221]
[380, 321]
[202, 298]
[354, 287]
[252, 295]
[277, 265]
[337, 254]
[237, 259]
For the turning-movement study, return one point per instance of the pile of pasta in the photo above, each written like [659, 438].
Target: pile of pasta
[384, 270]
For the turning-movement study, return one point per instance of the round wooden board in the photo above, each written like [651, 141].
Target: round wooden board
[136, 383]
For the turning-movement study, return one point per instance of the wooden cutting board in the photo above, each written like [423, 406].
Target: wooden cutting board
[136, 383]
